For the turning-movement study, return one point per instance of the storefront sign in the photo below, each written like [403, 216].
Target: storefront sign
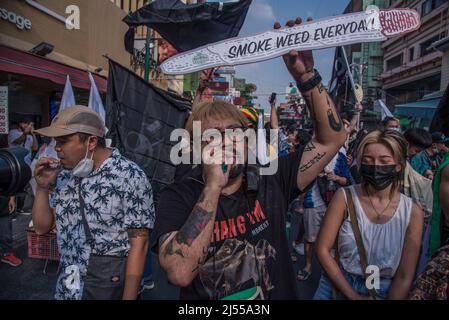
[369, 26]
[20, 22]
[71, 22]
[4, 121]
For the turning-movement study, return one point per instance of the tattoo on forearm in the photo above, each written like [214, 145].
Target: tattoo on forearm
[309, 147]
[170, 251]
[201, 260]
[335, 124]
[310, 104]
[309, 164]
[195, 224]
[136, 233]
[321, 88]
[164, 238]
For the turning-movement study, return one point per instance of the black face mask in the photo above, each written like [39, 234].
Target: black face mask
[379, 177]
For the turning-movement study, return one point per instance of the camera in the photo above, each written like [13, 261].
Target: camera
[14, 171]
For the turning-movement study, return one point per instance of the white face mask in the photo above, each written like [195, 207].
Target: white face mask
[85, 166]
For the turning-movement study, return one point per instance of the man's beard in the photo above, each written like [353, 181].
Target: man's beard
[236, 171]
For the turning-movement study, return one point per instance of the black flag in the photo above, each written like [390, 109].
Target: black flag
[140, 118]
[338, 83]
[189, 26]
[440, 121]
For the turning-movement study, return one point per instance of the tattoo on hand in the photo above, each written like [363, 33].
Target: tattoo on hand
[195, 224]
[309, 164]
[136, 233]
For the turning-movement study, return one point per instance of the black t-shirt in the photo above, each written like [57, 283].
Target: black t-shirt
[249, 237]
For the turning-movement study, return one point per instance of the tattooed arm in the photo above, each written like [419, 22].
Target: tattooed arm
[183, 251]
[329, 133]
[138, 240]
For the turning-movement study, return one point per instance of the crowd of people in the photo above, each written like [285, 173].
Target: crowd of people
[374, 208]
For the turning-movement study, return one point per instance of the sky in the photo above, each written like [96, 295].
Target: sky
[272, 75]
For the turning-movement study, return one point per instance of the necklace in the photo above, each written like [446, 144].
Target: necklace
[379, 215]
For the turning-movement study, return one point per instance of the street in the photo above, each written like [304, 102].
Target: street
[29, 282]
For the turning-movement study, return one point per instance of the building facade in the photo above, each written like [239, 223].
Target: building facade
[412, 66]
[366, 59]
[443, 46]
[41, 42]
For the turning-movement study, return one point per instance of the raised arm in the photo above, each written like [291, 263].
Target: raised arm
[205, 77]
[181, 253]
[353, 125]
[329, 133]
[42, 215]
[273, 115]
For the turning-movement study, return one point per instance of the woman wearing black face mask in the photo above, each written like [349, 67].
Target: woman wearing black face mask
[377, 229]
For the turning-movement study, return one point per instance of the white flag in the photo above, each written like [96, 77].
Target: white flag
[385, 112]
[95, 99]
[68, 97]
[96, 104]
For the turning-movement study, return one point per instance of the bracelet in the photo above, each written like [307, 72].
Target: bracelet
[311, 83]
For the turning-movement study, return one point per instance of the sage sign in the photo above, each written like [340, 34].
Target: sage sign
[369, 26]
[20, 22]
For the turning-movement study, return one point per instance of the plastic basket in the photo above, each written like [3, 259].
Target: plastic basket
[42, 246]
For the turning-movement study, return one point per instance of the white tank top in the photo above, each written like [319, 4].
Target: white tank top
[383, 242]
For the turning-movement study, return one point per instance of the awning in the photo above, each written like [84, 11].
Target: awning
[16, 61]
[417, 109]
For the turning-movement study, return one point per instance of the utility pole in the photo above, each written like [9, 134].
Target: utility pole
[147, 53]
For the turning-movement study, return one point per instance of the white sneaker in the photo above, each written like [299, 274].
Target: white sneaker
[299, 248]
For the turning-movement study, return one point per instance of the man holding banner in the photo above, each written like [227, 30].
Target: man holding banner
[218, 238]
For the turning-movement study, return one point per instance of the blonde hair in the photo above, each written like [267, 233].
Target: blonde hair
[216, 110]
[394, 142]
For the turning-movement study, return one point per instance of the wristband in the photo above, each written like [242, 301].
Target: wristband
[311, 83]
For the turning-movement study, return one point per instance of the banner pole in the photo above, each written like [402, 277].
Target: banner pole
[351, 78]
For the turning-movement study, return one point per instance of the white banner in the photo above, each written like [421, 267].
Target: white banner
[4, 121]
[369, 26]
